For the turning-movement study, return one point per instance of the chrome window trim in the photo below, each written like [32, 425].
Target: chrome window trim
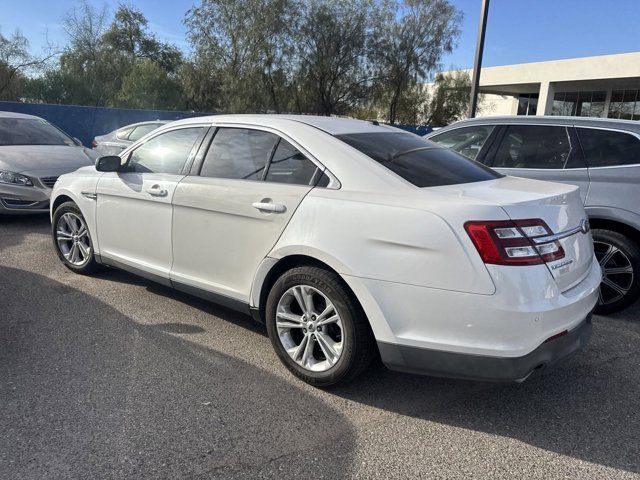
[542, 169]
[627, 165]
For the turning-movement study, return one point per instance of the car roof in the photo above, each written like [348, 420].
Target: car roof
[331, 125]
[611, 123]
[18, 115]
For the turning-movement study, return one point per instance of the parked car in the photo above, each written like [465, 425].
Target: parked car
[344, 236]
[114, 142]
[600, 156]
[33, 154]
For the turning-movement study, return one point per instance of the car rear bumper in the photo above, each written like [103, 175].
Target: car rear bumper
[481, 367]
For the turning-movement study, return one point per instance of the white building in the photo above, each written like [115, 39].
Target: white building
[601, 86]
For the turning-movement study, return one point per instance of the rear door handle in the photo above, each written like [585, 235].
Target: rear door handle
[269, 207]
[157, 191]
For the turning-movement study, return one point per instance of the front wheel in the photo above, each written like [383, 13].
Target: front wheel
[317, 327]
[72, 240]
[619, 258]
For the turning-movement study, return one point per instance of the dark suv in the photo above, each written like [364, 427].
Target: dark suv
[601, 156]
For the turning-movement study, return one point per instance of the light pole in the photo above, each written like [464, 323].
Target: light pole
[477, 64]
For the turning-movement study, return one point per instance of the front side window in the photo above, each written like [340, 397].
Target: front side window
[31, 131]
[165, 153]
[467, 141]
[288, 165]
[239, 153]
[418, 161]
[605, 148]
[533, 146]
[141, 130]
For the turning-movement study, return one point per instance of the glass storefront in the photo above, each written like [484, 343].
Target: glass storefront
[528, 103]
[580, 104]
[625, 104]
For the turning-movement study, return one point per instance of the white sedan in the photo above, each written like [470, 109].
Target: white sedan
[349, 239]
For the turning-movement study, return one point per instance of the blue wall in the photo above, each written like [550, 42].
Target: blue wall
[417, 129]
[87, 122]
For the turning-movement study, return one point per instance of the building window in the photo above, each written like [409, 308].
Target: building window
[581, 104]
[625, 104]
[527, 103]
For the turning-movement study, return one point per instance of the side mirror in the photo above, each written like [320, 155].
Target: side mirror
[110, 163]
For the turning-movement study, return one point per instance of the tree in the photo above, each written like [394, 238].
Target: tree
[128, 33]
[449, 100]
[334, 74]
[15, 62]
[242, 45]
[105, 58]
[148, 85]
[410, 41]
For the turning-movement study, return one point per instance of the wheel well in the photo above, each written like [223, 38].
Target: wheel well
[282, 266]
[615, 226]
[59, 201]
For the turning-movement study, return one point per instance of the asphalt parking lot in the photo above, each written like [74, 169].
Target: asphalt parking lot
[112, 376]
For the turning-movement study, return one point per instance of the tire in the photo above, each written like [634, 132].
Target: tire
[68, 221]
[351, 334]
[617, 290]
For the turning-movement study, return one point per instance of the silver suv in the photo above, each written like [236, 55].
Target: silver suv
[601, 156]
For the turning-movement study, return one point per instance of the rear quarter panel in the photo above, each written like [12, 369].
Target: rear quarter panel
[392, 242]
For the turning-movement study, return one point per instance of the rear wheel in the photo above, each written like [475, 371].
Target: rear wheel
[72, 240]
[619, 258]
[317, 327]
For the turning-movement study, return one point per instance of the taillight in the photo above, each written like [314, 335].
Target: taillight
[94, 144]
[509, 242]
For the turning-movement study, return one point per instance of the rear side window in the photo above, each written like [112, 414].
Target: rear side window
[604, 148]
[467, 141]
[124, 133]
[288, 165]
[141, 130]
[534, 146]
[417, 160]
[239, 153]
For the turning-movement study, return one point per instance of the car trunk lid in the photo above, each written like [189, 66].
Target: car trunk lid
[558, 205]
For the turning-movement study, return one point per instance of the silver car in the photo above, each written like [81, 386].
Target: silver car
[601, 156]
[113, 143]
[33, 154]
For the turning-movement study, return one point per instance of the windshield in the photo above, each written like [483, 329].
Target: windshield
[31, 131]
[417, 160]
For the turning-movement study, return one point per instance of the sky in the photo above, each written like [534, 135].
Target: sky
[518, 31]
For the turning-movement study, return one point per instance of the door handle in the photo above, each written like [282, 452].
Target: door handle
[156, 191]
[269, 207]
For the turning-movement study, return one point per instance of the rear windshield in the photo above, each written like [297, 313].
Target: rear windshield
[31, 131]
[417, 160]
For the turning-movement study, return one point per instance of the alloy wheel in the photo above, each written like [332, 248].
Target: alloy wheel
[309, 328]
[617, 272]
[72, 237]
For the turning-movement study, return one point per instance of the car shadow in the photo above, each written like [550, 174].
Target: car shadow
[585, 408]
[87, 392]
